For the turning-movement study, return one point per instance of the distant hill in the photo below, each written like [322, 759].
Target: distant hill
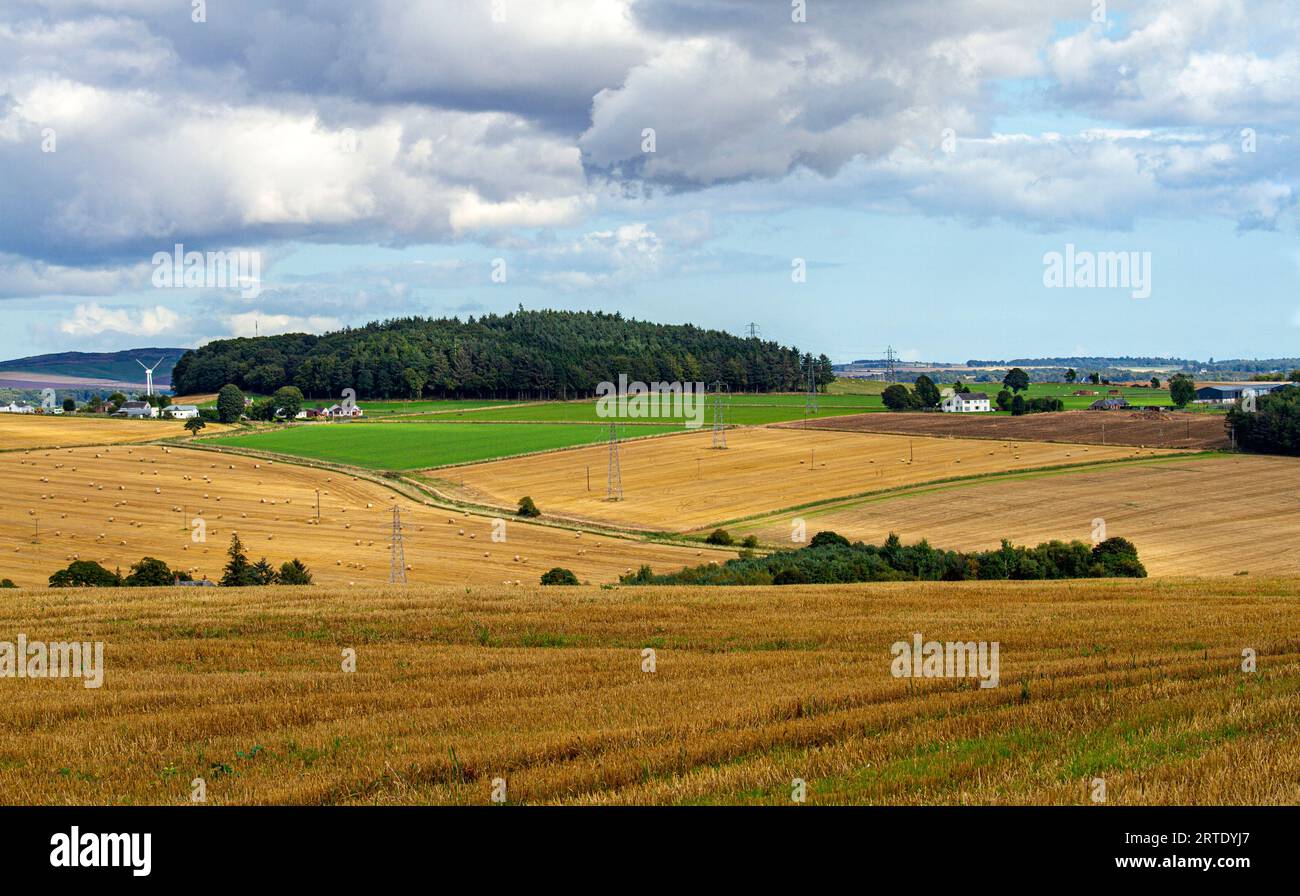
[106, 367]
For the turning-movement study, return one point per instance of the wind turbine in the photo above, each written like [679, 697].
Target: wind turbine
[148, 375]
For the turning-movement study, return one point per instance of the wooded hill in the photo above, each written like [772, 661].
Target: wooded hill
[524, 354]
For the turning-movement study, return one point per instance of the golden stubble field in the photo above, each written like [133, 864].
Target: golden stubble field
[1140, 683]
[116, 504]
[682, 483]
[1193, 516]
[41, 431]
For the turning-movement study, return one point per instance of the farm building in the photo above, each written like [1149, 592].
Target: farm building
[17, 407]
[1108, 404]
[136, 409]
[181, 411]
[1082, 392]
[1230, 392]
[966, 403]
[337, 410]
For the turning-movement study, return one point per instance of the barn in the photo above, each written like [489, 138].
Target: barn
[1229, 392]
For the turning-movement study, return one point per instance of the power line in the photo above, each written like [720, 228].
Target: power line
[810, 401]
[614, 485]
[719, 415]
[397, 567]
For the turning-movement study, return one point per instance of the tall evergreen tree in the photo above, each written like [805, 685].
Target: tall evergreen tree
[238, 572]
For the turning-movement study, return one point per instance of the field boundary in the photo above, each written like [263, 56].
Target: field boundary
[836, 424]
[958, 481]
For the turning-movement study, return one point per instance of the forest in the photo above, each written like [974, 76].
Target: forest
[520, 355]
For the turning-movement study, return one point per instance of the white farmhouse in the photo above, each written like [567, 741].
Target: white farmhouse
[135, 409]
[966, 403]
[181, 411]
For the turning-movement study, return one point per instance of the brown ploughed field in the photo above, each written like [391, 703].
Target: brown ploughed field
[1151, 429]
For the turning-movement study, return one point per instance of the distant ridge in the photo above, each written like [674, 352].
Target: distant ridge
[87, 368]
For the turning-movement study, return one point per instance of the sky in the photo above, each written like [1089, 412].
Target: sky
[847, 176]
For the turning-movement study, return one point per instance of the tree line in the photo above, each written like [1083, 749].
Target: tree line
[831, 559]
[151, 572]
[524, 354]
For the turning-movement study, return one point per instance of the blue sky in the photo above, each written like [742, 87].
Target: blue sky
[919, 159]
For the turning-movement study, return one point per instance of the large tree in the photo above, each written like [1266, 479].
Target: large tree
[288, 400]
[85, 573]
[230, 403]
[927, 393]
[1181, 390]
[1016, 380]
[239, 572]
[896, 397]
[150, 571]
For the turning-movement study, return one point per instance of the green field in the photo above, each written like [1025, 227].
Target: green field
[748, 410]
[1065, 392]
[429, 406]
[379, 408]
[414, 446]
[853, 386]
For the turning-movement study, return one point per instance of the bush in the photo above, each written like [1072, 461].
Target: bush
[85, 573]
[1118, 558]
[751, 541]
[7, 583]
[293, 572]
[559, 576]
[720, 536]
[527, 507]
[69, 405]
[825, 538]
